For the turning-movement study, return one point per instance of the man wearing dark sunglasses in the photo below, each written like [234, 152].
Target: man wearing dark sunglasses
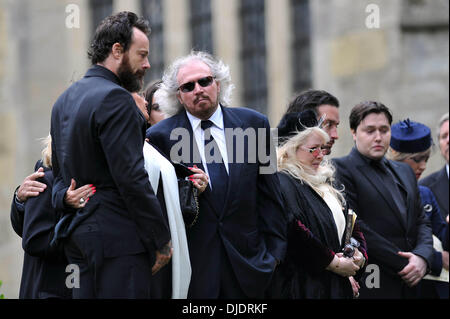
[239, 236]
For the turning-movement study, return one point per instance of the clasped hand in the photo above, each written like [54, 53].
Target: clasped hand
[414, 271]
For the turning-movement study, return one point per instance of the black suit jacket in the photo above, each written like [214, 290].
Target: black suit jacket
[438, 183]
[43, 273]
[303, 274]
[250, 227]
[97, 138]
[386, 231]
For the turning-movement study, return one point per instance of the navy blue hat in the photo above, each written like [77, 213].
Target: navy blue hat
[410, 137]
[295, 122]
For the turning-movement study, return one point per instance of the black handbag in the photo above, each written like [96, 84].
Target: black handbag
[188, 195]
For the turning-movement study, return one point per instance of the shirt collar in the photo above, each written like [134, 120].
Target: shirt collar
[216, 118]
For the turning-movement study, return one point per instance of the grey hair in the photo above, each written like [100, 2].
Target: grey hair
[167, 93]
[442, 120]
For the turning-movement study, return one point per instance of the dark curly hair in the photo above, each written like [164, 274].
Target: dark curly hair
[117, 28]
[311, 99]
[362, 109]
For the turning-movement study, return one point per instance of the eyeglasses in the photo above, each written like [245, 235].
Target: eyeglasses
[315, 151]
[189, 86]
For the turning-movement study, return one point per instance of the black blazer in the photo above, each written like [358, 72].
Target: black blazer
[250, 227]
[97, 138]
[43, 273]
[303, 274]
[384, 228]
[438, 183]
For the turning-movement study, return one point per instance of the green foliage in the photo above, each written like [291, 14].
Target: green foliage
[1, 295]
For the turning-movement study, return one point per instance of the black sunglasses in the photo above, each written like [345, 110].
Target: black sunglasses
[189, 86]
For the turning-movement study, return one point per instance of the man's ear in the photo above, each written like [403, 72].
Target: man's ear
[179, 98]
[117, 51]
[353, 134]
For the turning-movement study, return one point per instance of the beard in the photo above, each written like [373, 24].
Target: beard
[131, 81]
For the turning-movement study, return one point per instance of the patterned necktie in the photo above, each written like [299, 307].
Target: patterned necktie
[216, 167]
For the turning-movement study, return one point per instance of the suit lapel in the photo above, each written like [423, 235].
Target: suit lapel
[369, 172]
[404, 182]
[441, 191]
[195, 158]
[231, 121]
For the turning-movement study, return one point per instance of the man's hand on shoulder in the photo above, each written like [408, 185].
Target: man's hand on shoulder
[30, 187]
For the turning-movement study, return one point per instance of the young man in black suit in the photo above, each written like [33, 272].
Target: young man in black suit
[97, 138]
[239, 236]
[385, 196]
[438, 181]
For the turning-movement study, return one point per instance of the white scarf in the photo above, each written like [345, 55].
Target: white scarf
[157, 165]
[336, 209]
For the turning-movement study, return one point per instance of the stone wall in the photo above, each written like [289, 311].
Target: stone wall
[403, 63]
[39, 57]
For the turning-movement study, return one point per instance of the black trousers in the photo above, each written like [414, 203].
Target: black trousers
[127, 277]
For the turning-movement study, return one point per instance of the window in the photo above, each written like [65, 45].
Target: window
[253, 54]
[152, 10]
[301, 60]
[100, 9]
[201, 25]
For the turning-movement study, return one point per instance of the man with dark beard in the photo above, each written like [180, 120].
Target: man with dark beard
[120, 237]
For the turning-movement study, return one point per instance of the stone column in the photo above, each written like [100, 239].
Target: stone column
[176, 29]
[226, 28]
[127, 5]
[278, 39]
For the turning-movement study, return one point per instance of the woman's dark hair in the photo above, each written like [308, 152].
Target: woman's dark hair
[149, 92]
[117, 28]
[311, 99]
[362, 109]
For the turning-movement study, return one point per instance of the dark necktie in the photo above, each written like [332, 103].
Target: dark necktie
[216, 167]
[393, 185]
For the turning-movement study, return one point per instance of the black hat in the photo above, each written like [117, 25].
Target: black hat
[292, 123]
[410, 137]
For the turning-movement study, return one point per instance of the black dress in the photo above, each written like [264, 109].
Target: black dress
[303, 273]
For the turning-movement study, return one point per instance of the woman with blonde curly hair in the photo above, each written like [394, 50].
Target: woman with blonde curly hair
[316, 212]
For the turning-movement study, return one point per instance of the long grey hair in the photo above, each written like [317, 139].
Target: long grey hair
[167, 93]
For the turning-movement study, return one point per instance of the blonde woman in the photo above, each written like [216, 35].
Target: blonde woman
[34, 218]
[411, 143]
[314, 266]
